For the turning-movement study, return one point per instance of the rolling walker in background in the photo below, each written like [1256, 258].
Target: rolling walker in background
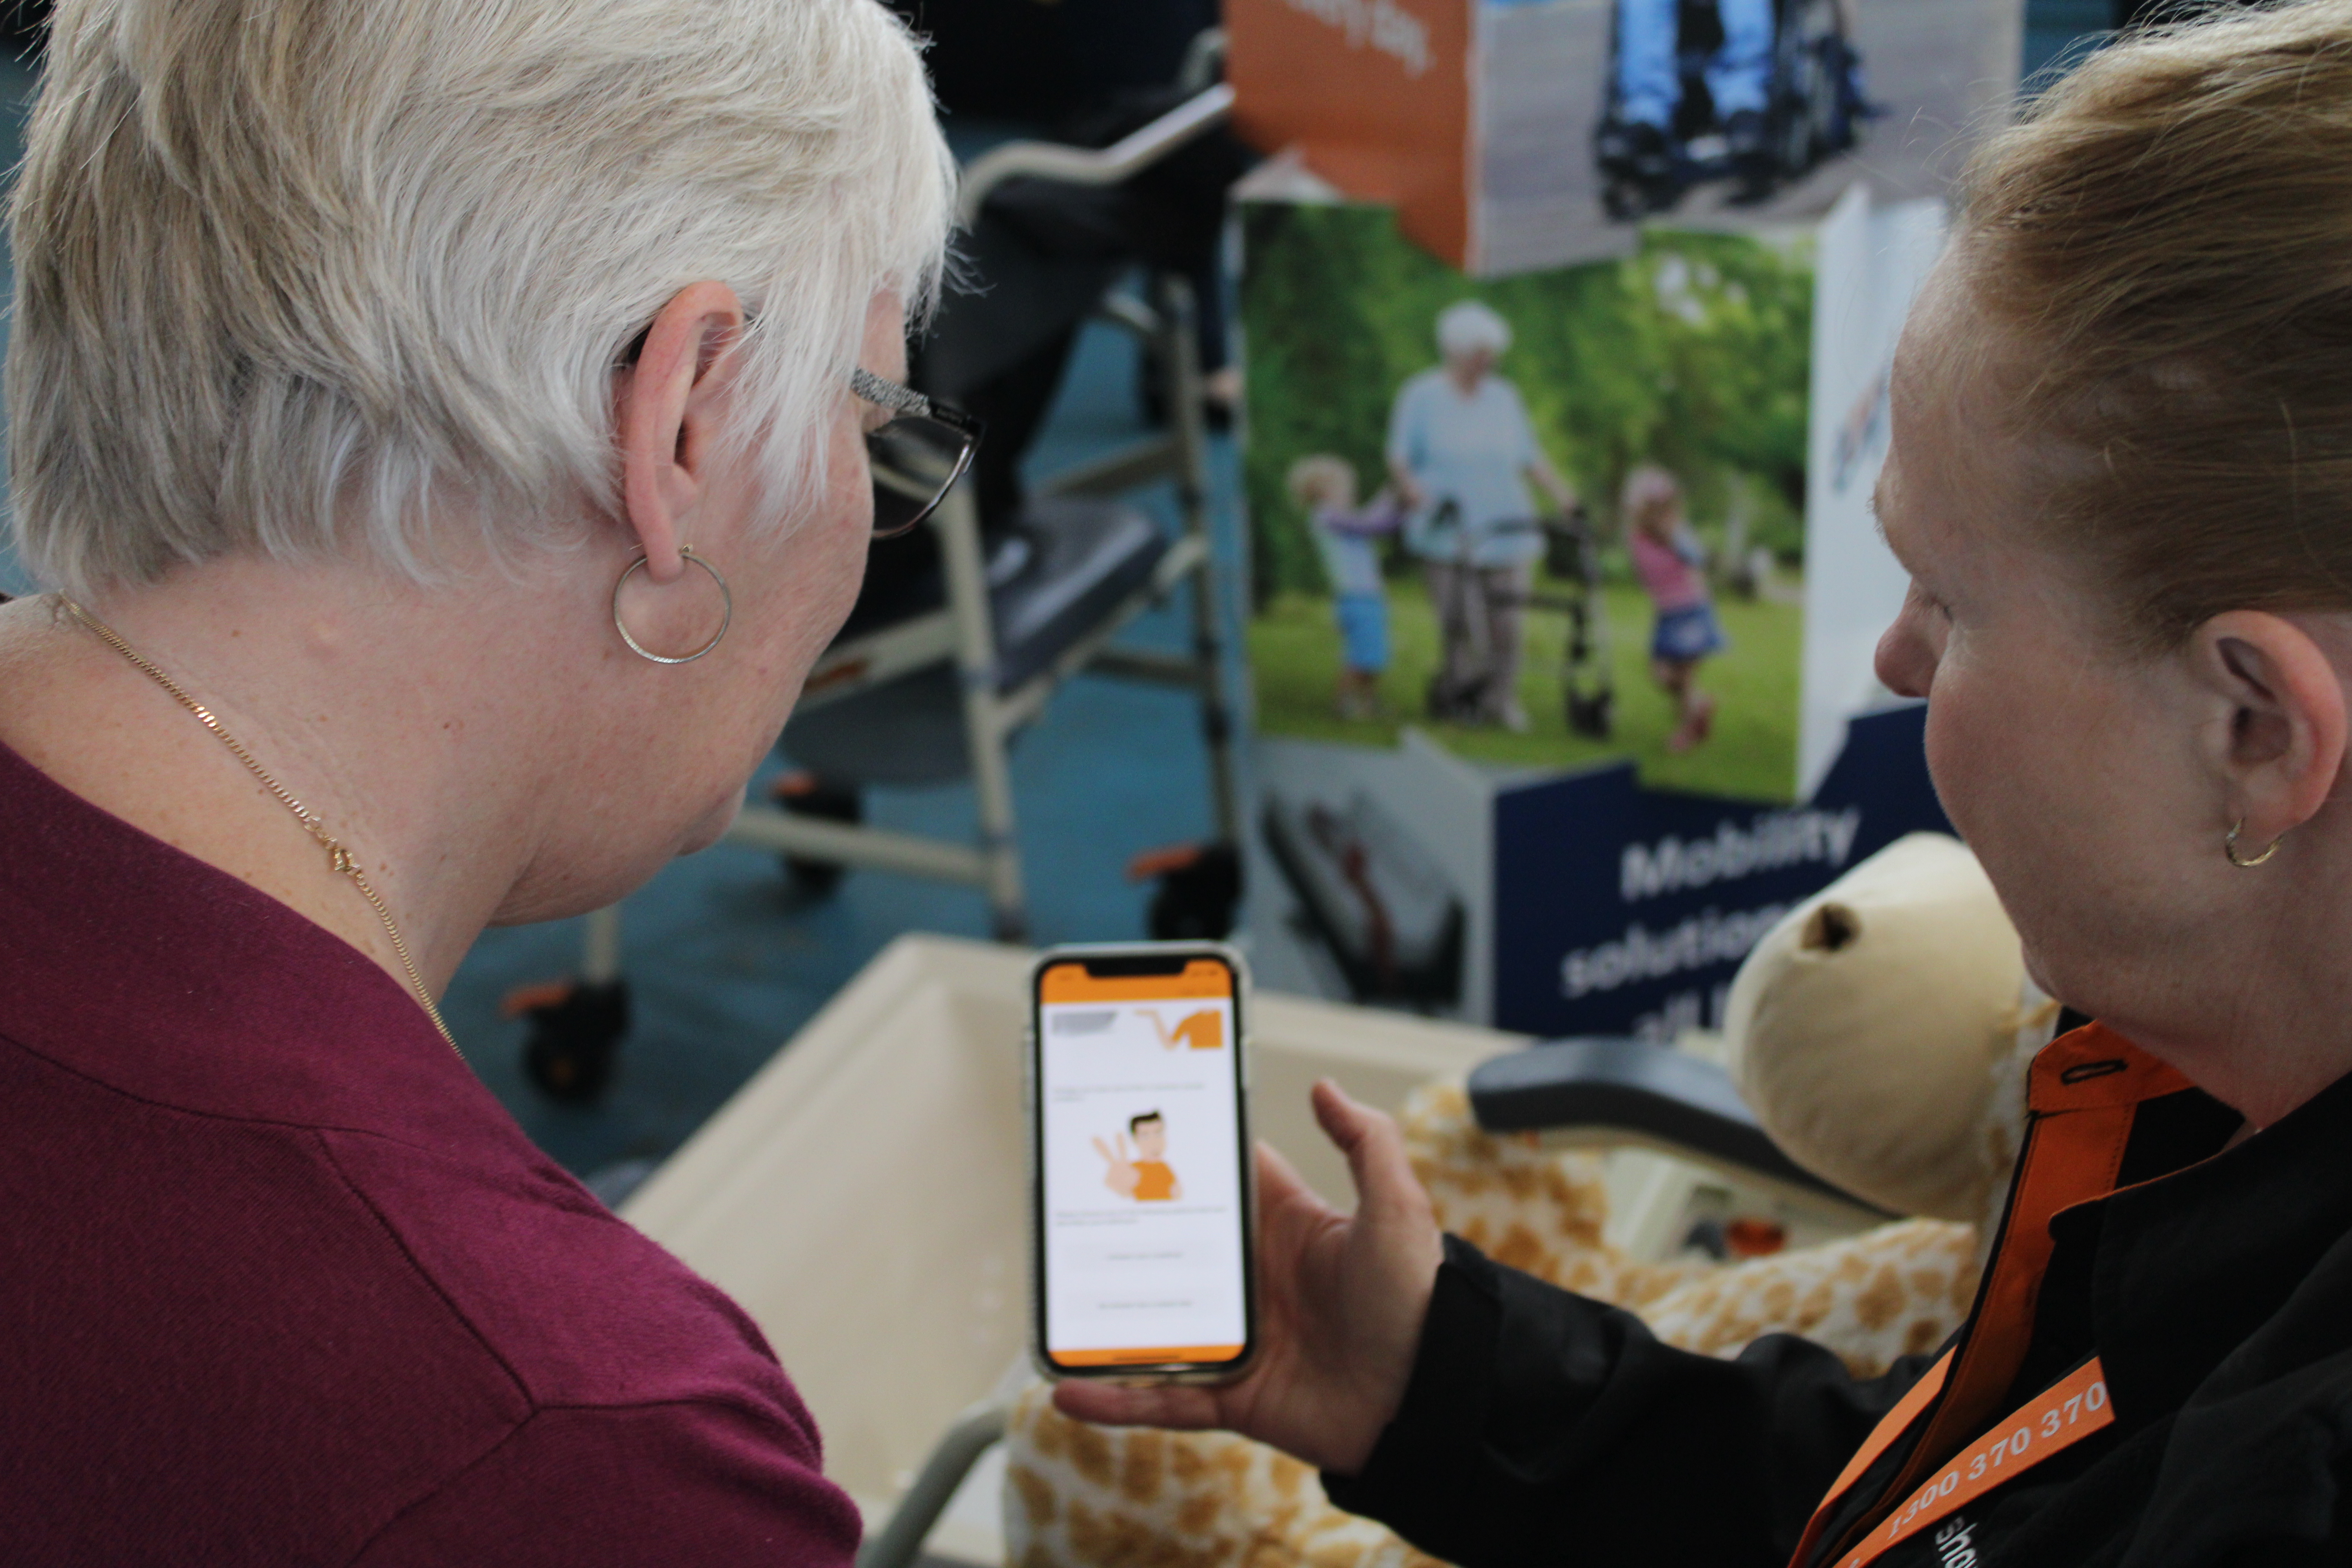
[932, 677]
[1470, 617]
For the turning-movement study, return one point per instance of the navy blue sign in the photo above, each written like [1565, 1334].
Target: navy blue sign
[1625, 911]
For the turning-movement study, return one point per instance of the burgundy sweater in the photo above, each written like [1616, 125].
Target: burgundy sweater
[281, 1283]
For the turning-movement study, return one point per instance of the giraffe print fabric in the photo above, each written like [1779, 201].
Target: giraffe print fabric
[1078, 1496]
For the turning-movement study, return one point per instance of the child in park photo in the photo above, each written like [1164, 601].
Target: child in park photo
[1324, 486]
[1667, 559]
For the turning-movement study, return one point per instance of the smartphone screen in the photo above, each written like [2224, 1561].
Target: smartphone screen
[1142, 1195]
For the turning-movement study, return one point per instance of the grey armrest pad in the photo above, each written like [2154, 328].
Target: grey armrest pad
[1659, 1093]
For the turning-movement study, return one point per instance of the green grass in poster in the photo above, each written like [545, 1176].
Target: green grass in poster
[1295, 651]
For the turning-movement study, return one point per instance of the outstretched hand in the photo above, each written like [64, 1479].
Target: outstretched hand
[1340, 1303]
[1122, 1175]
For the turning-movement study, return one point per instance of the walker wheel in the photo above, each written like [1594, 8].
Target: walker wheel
[576, 1033]
[1590, 716]
[1456, 703]
[1199, 891]
[803, 793]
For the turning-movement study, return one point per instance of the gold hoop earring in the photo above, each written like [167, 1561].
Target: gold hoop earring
[2230, 848]
[725, 619]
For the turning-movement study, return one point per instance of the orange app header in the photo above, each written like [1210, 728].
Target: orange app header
[1203, 977]
[1149, 1356]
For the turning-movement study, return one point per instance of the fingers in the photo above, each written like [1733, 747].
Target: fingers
[1376, 1161]
[1182, 1409]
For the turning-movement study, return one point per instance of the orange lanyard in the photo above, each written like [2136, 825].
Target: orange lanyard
[2062, 1417]
[2085, 1090]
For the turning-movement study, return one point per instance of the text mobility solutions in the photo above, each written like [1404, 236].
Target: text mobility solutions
[1672, 890]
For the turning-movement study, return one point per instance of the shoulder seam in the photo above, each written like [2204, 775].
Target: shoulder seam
[443, 1485]
[232, 1118]
[766, 1417]
[327, 1153]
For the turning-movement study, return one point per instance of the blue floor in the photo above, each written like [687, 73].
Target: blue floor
[725, 962]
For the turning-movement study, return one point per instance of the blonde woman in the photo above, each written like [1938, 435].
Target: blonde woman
[444, 431]
[2121, 479]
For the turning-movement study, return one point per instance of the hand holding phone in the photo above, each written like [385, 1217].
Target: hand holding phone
[1341, 1301]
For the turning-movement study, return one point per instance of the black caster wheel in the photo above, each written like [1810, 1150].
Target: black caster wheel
[1592, 716]
[1456, 703]
[575, 1034]
[803, 793]
[1200, 893]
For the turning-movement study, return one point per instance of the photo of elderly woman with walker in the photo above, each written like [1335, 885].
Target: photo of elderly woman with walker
[1461, 451]
[2119, 478]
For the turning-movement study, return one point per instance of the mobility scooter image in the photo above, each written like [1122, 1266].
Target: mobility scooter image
[1755, 92]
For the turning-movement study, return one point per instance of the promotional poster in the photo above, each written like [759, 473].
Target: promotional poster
[1564, 589]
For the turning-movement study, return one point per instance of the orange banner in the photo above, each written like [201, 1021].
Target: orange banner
[1203, 977]
[1375, 93]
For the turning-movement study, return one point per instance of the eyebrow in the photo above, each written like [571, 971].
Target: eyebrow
[1877, 511]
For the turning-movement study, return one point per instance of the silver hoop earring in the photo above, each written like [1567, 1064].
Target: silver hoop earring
[2230, 848]
[685, 553]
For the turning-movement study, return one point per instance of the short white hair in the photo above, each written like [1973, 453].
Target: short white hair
[302, 276]
[1466, 327]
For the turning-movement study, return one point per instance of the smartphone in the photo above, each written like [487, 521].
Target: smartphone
[1142, 1190]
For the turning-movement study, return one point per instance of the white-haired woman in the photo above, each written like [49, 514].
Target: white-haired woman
[446, 431]
[1461, 449]
[2121, 477]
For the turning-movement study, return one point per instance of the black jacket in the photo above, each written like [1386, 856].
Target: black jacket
[2216, 1288]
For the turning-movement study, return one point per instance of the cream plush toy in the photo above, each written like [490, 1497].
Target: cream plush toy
[1881, 1032]
[1876, 1031]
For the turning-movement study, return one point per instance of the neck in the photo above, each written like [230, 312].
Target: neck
[2256, 1007]
[430, 781]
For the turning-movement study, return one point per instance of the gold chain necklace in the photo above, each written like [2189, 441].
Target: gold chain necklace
[338, 858]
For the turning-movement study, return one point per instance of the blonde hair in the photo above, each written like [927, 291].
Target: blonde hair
[1647, 489]
[306, 276]
[1320, 473]
[2171, 231]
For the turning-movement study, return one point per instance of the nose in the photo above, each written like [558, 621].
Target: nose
[1906, 660]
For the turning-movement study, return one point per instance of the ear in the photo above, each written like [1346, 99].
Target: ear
[2281, 748]
[667, 410]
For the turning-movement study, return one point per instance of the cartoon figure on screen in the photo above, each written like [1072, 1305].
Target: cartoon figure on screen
[1203, 1031]
[1143, 1173]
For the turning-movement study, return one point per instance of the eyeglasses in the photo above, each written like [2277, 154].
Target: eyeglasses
[918, 456]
